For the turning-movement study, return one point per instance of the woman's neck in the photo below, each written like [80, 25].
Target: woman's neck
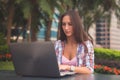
[71, 41]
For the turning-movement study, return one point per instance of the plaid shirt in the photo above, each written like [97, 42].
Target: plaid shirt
[83, 59]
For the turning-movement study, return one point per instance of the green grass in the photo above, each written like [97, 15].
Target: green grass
[6, 65]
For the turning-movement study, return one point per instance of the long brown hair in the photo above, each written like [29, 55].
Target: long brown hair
[79, 34]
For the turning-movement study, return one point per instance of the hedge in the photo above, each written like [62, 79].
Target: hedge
[107, 57]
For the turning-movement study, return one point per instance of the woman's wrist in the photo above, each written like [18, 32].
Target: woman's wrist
[72, 68]
[68, 68]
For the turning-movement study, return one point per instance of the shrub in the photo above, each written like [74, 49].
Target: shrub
[2, 39]
[106, 70]
[107, 57]
[5, 53]
[107, 53]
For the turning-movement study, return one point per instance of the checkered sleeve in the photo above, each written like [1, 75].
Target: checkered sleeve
[90, 56]
[58, 50]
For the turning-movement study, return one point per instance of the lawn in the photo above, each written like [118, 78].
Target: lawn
[6, 65]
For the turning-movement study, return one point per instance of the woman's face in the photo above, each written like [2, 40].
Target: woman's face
[67, 26]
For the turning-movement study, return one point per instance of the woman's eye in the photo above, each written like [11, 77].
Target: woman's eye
[63, 24]
[70, 24]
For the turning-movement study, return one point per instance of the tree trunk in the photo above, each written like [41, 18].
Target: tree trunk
[29, 29]
[33, 35]
[34, 22]
[9, 21]
[48, 31]
[19, 35]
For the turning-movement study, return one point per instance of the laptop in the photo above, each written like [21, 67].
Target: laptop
[36, 59]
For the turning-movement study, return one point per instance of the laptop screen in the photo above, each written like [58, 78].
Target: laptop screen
[35, 59]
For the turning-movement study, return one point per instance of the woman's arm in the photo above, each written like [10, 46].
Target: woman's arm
[82, 70]
[87, 61]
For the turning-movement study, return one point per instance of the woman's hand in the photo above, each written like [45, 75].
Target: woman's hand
[64, 67]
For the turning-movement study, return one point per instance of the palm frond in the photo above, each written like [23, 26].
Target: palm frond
[45, 6]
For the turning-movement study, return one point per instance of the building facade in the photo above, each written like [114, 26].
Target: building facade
[107, 32]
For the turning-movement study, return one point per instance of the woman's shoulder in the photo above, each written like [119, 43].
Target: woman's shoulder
[89, 45]
[58, 43]
[88, 42]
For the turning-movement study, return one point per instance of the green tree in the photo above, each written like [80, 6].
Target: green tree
[48, 6]
[11, 8]
[17, 11]
[32, 10]
[92, 10]
[2, 17]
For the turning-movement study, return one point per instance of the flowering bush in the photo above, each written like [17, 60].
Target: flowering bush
[5, 57]
[5, 53]
[106, 70]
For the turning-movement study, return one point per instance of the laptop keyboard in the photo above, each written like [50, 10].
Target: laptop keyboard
[63, 73]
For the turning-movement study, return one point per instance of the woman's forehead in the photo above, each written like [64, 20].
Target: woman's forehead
[66, 18]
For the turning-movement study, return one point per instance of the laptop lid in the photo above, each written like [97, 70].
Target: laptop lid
[35, 59]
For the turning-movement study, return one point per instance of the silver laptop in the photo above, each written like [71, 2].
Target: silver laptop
[36, 59]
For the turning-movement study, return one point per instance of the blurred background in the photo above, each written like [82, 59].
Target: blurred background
[35, 20]
[32, 20]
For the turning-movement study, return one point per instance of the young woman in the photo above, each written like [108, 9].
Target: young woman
[74, 50]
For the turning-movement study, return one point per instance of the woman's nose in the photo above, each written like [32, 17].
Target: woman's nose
[66, 26]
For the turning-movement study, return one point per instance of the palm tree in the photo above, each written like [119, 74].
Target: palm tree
[92, 10]
[48, 7]
[32, 10]
[2, 18]
[11, 9]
